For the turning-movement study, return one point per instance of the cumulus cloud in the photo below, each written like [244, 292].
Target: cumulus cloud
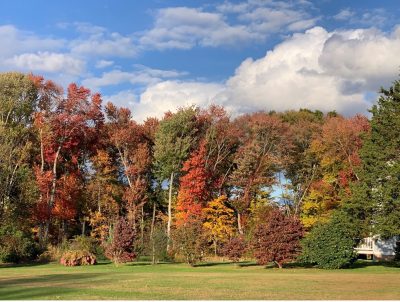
[316, 69]
[47, 62]
[170, 95]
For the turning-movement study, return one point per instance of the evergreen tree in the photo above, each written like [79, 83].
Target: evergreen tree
[375, 200]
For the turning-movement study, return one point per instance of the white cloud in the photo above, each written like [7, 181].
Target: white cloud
[105, 45]
[142, 76]
[184, 28]
[15, 41]
[47, 62]
[170, 95]
[316, 70]
[103, 64]
[344, 14]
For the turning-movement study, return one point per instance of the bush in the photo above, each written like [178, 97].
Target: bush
[397, 251]
[277, 239]
[235, 248]
[330, 245]
[189, 241]
[78, 257]
[16, 246]
[121, 247]
[159, 244]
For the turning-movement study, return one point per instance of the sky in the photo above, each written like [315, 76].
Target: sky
[155, 56]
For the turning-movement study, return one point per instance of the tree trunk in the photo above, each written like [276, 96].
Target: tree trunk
[215, 247]
[153, 221]
[83, 226]
[171, 181]
[142, 227]
[239, 219]
[278, 264]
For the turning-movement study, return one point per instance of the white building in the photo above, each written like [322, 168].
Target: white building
[377, 248]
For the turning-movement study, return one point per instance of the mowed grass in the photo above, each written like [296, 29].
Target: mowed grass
[139, 280]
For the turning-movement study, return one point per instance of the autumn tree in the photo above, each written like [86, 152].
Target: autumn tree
[133, 150]
[337, 150]
[219, 221]
[193, 188]
[121, 246]
[68, 130]
[277, 239]
[264, 149]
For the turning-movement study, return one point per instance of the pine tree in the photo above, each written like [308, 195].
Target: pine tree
[375, 200]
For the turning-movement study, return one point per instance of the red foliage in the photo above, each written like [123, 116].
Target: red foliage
[235, 248]
[193, 190]
[277, 239]
[121, 248]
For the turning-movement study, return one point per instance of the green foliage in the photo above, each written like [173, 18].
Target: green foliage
[16, 245]
[189, 241]
[375, 200]
[330, 245]
[173, 140]
[77, 257]
[159, 244]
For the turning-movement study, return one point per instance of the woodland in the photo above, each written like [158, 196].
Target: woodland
[82, 181]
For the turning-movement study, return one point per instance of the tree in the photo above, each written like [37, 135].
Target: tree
[189, 240]
[277, 239]
[68, 130]
[331, 244]
[235, 248]
[337, 151]
[133, 151]
[264, 150]
[174, 139]
[121, 246]
[193, 188]
[18, 100]
[374, 201]
[219, 221]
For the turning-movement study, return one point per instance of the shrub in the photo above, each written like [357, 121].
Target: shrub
[330, 245]
[78, 257]
[16, 246]
[121, 246]
[189, 241]
[159, 244]
[277, 239]
[235, 248]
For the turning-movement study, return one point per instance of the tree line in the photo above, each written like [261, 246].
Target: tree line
[196, 182]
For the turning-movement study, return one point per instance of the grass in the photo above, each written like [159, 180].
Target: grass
[215, 281]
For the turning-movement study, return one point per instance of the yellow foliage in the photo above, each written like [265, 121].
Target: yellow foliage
[219, 220]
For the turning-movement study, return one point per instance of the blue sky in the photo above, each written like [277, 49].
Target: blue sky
[153, 56]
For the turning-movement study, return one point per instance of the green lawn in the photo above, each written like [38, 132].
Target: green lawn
[140, 280]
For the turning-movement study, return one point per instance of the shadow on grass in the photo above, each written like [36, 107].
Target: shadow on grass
[41, 286]
[368, 263]
[212, 264]
[28, 264]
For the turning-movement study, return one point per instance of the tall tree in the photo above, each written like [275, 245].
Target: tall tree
[174, 139]
[193, 188]
[18, 100]
[68, 134]
[265, 147]
[375, 201]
